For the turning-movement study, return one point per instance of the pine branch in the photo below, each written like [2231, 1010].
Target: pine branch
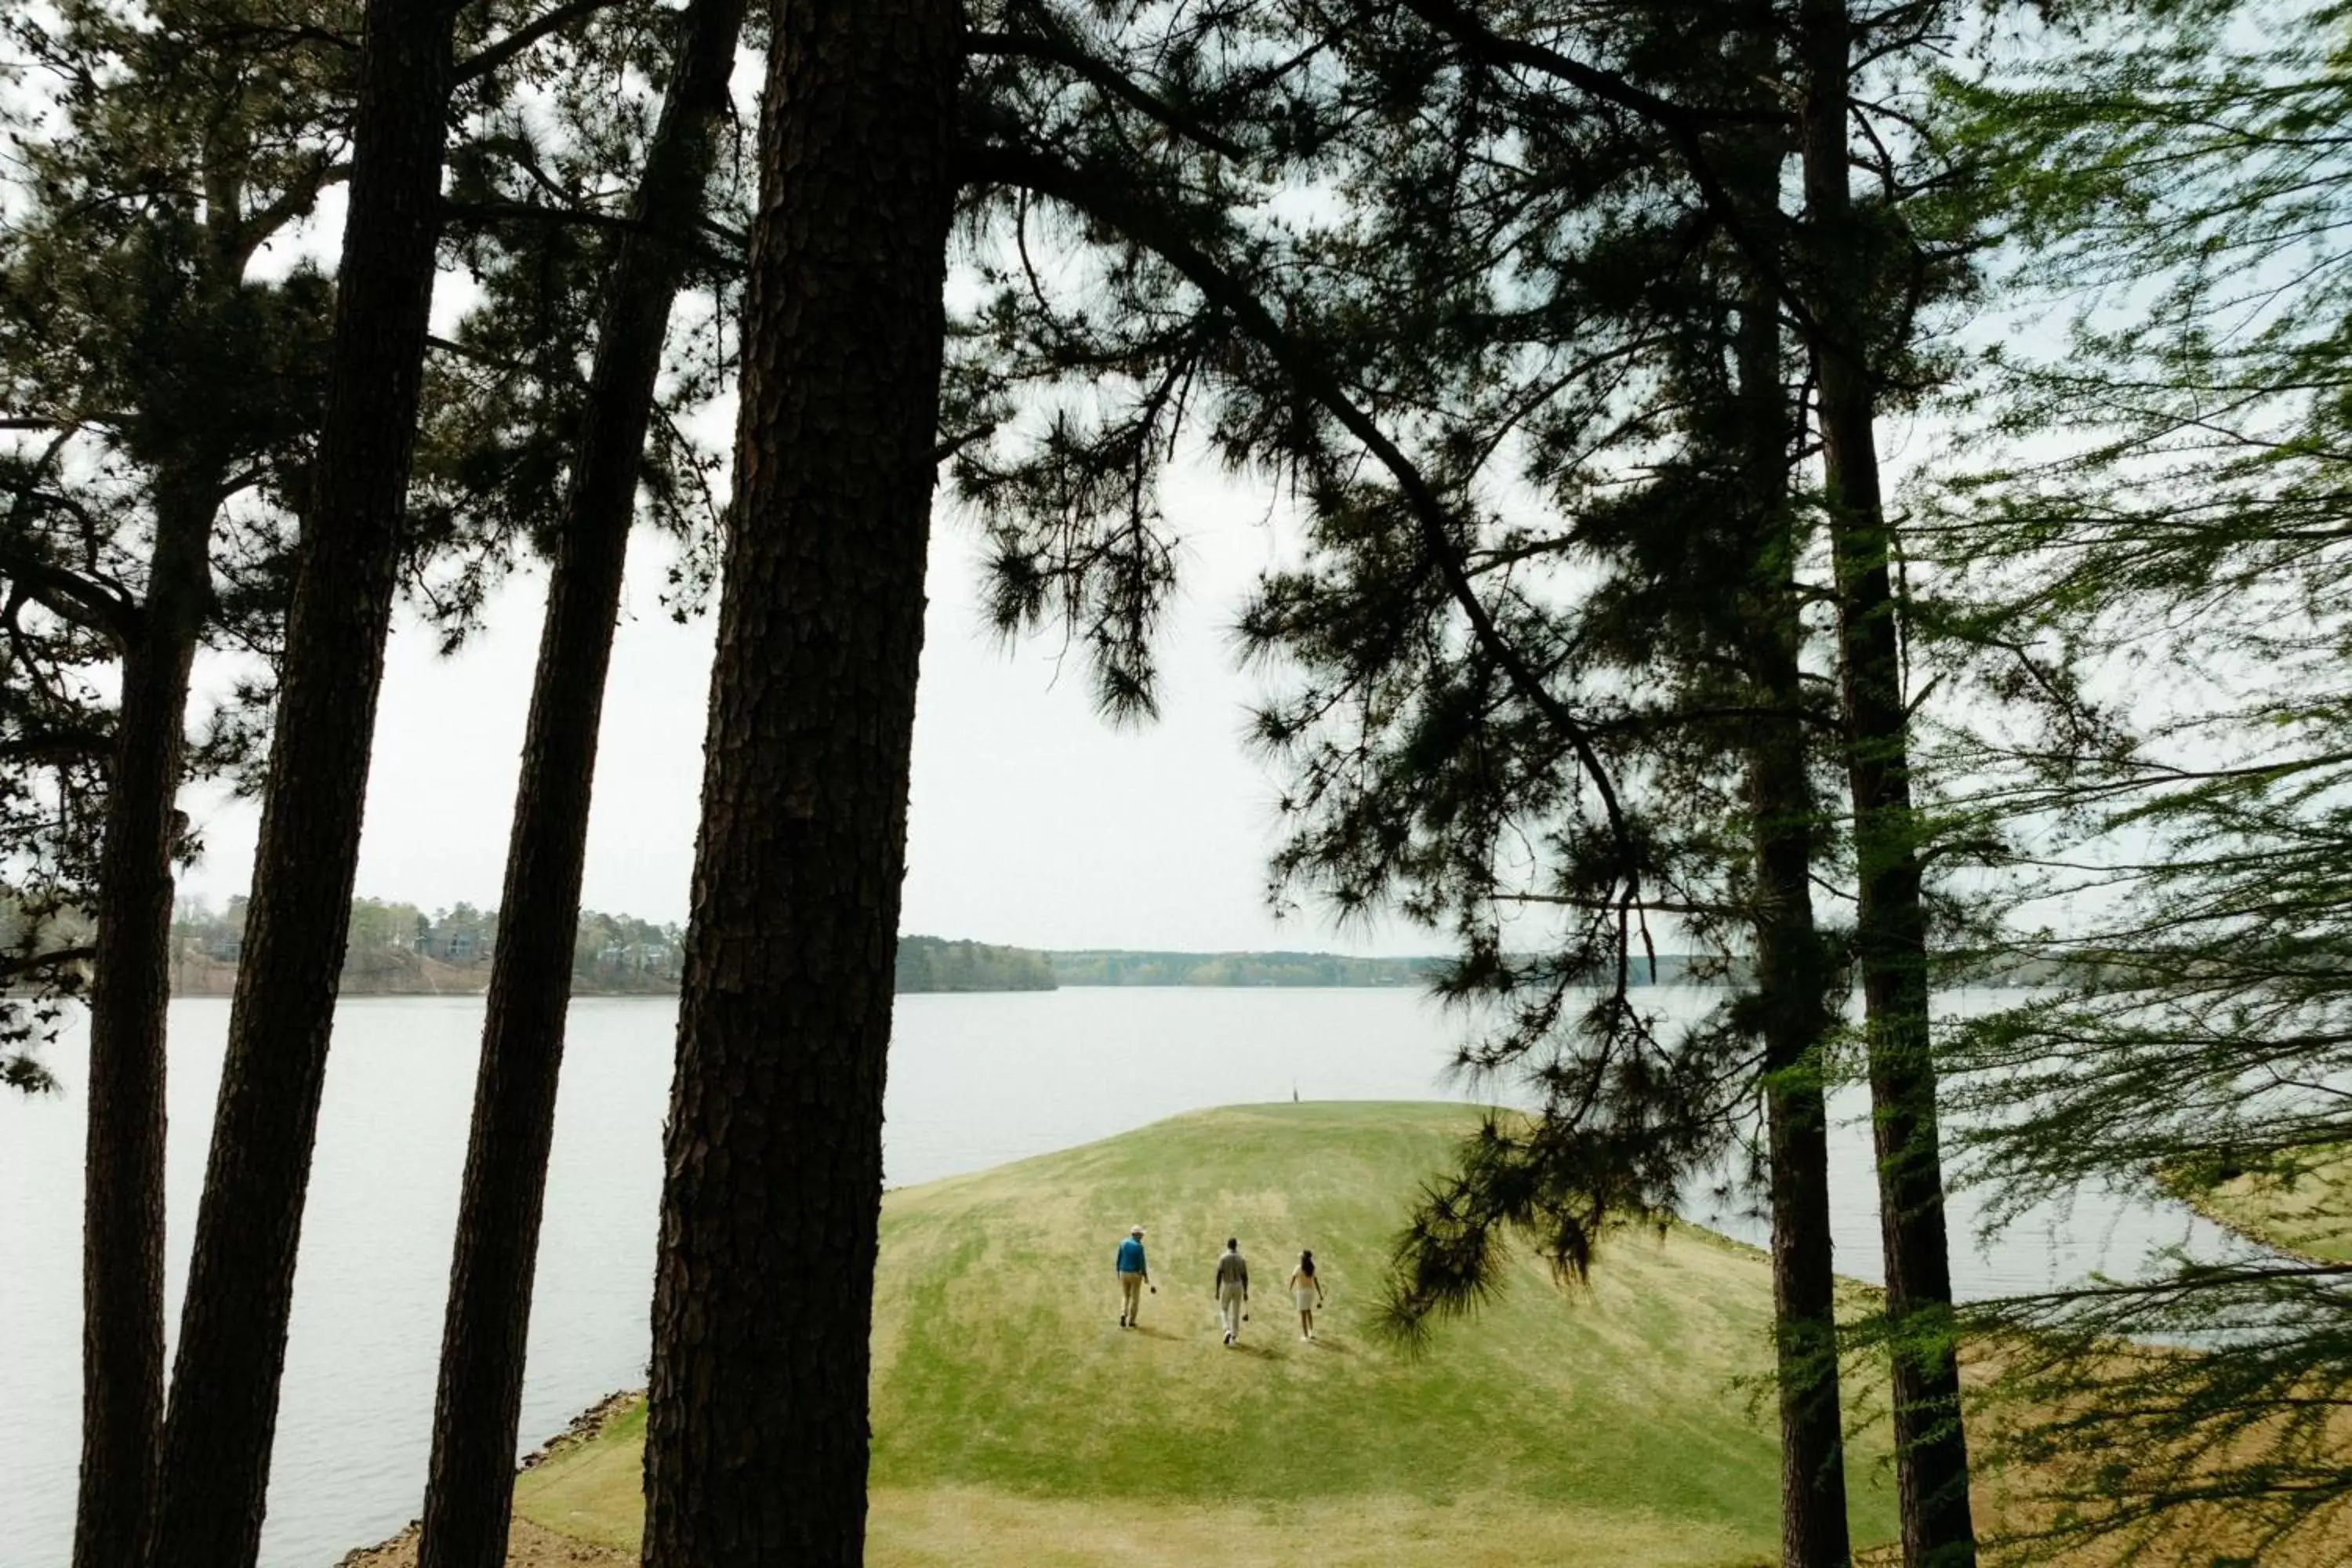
[15, 967]
[1683, 126]
[495, 55]
[85, 601]
[1066, 52]
[469, 212]
[1118, 207]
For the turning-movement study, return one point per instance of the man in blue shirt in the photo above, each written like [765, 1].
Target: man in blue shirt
[1133, 1276]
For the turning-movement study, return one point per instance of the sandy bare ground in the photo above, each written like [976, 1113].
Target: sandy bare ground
[528, 1546]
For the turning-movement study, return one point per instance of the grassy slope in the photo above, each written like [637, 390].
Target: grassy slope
[1014, 1422]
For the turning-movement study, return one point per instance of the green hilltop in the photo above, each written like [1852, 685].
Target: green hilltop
[1619, 1423]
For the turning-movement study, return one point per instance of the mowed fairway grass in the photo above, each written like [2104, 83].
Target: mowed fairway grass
[1015, 1422]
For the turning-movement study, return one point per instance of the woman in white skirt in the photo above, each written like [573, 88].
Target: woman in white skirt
[1307, 1291]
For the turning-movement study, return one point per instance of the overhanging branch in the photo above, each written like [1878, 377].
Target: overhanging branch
[483, 213]
[1110, 204]
[493, 56]
[85, 601]
[1106, 77]
[1684, 127]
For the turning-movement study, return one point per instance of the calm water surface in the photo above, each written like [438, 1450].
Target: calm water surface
[974, 1081]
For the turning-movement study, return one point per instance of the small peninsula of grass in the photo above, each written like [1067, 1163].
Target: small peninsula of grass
[1015, 1422]
[2308, 1211]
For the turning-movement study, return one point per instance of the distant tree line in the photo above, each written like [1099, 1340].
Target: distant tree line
[935, 963]
[399, 947]
[1113, 967]
[392, 942]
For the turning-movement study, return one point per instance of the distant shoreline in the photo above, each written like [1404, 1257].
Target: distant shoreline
[197, 977]
[926, 965]
[935, 966]
[398, 948]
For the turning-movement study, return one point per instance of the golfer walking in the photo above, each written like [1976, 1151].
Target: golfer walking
[1232, 1291]
[1134, 1274]
[1307, 1291]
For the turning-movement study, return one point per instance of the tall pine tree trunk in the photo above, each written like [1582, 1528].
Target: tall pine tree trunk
[1792, 967]
[222, 1411]
[471, 1492]
[1891, 928]
[756, 1442]
[1792, 983]
[122, 1230]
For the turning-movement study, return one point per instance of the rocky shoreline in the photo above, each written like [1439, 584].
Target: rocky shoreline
[530, 1546]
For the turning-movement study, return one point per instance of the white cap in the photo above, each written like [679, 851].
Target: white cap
[1137, 1230]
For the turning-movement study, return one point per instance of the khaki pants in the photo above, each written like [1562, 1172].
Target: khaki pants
[1130, 1293]
[1230, 1303]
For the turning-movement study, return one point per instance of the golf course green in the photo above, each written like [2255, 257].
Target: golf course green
[1014, 1422]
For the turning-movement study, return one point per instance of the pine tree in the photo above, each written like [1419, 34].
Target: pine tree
[165, 399]
[756, 1444]
[469, 1492]
[1398, 771]
[1441, 757]
[223, 1395]
[157, 383]
[1849, 257]
[1852, 275]
[756, 1438]
[2143, 533]
[1698, 613]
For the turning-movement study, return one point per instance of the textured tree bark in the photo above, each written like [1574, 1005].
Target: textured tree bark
[122, 1231]
[1891, 926]
[469, 1494]
[1792, 982]
[1793, 967]
[756, 1442]
[222, 1409]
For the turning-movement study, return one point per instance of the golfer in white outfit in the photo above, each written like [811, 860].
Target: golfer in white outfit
[1232, 1291]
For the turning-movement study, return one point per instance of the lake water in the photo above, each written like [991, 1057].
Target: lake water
[974, 1081]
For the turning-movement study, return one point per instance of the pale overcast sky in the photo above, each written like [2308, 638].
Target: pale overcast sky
[1032, 821]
